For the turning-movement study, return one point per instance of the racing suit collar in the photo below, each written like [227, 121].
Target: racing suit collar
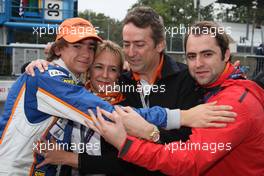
[61, 63]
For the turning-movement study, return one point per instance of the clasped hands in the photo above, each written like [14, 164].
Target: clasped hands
[125, 121]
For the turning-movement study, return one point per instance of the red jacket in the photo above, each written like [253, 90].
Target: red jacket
[237, 149]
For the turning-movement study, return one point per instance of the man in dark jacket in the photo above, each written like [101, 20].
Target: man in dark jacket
[154, 71]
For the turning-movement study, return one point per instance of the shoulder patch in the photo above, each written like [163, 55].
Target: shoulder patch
[56, 73]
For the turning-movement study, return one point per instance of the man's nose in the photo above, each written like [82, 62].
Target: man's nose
[131, 51]
[198, 61]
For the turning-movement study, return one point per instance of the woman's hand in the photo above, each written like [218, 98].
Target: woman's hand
[114, 132]
[134, 124]
[208, 115]
[53, 153]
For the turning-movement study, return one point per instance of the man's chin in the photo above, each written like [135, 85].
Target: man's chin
[136, 69]
[202, 82]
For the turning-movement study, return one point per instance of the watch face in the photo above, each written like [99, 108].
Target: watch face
[156, 137]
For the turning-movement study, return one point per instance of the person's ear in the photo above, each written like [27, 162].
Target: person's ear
[57, 51]
[161, 46]
[227, 55]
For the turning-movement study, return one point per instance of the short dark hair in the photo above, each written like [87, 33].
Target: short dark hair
[222, 39]
[143, 17]
[61, 43]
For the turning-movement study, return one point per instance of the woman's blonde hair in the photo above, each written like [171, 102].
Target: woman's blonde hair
[112, 47]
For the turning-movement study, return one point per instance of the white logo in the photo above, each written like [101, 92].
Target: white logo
[56, 73]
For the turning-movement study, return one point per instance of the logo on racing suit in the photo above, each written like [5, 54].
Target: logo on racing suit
[56, 73]
[39, 173]
[69, 81]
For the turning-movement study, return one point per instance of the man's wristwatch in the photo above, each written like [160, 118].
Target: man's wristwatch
[155, 134]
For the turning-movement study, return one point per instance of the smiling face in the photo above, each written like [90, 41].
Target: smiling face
[140, 50]
[204, 58]
[78, 56]
[105, 71]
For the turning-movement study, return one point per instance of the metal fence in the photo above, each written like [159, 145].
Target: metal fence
[13, 57]
[259, 63]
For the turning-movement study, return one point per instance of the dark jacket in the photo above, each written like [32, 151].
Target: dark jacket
[179, 93]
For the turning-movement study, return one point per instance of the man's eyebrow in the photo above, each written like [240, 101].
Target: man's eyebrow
[136, 41]
[208, 50]
[203, 51]
[188, 53]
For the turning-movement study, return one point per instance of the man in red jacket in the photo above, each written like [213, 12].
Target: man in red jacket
[237, 149]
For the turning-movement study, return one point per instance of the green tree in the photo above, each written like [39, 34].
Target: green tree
[108, 28]
[176, 14]
[241, 11]
[173, 12]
